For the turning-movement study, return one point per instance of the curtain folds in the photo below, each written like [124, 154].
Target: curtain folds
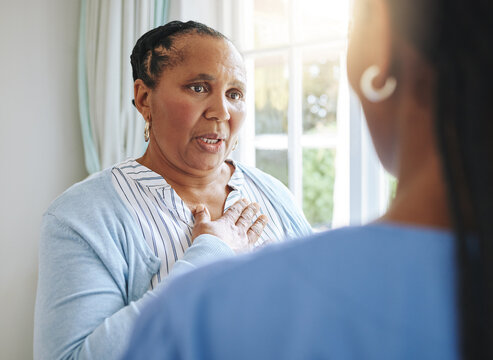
[112, 129]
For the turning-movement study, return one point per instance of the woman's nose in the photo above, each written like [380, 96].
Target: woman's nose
[218, 109]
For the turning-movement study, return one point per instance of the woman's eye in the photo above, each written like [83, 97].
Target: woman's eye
[235, 95]
[198, 88]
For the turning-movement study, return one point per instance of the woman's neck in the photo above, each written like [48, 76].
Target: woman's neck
[180, 178]
[209, 188]
[421, 197]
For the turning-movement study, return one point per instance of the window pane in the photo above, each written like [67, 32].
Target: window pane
[271, 95]
[271, 23]
[274, 162]
[321, 19]
[320, 88]
[392, 187]
[318, 185]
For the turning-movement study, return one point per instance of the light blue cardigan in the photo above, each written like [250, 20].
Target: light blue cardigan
[95, 268]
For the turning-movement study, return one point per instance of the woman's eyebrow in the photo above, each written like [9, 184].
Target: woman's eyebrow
[203, 77]
[207, 77]
[238, 84]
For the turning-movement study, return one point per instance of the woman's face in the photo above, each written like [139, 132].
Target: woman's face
[198, 106]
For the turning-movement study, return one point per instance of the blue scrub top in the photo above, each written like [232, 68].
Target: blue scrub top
[378, 291]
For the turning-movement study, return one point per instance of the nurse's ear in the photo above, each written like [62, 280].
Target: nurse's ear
[383, 41]
[370, 44]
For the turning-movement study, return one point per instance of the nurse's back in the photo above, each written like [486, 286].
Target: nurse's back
[344, 294]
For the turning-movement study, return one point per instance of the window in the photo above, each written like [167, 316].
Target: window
[304, 126]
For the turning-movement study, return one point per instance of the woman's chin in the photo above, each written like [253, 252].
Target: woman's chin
[207, 163]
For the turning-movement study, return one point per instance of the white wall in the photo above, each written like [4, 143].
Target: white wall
[40, 142]
[40, 147]
[205, 11]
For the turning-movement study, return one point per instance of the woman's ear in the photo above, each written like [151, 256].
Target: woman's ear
[370, 42]
[142, 98]
[382, 41]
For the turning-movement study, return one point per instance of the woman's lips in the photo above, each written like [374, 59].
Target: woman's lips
[210, 141]
[210, 145]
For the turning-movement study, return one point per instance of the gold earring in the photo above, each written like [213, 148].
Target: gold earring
[146, 131]
[235, 145]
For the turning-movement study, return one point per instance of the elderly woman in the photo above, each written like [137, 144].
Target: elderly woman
[108, 242]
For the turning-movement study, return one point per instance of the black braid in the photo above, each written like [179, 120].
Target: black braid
[453, 37]
[154, 51]
[464, 128]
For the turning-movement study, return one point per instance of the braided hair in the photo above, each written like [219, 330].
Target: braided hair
[155, 50]
[452, 36]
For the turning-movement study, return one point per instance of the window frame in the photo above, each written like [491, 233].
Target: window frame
[362, 184]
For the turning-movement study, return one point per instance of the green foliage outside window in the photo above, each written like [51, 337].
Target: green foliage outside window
[273, 162]
[392, 188]
[318, 180]
[320, 78]
[318, 185]
[320, 89]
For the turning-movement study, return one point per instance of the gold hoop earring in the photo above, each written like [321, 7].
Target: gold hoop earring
[235, 145]
[146, 131]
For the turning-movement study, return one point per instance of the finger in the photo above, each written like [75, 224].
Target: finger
[247, 216]
[256, 229]
[201, 214]
[235, 210]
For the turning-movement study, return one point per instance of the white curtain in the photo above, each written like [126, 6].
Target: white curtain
[112, 129]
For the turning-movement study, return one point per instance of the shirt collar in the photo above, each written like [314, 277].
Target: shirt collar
[146, 177]
[141, 174]
[238, 178]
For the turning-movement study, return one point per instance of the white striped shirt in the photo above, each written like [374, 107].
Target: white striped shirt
[165, 220]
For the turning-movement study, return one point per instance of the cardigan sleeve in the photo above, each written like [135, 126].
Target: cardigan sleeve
[292, 216]
[82, 310]
[205, 249]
